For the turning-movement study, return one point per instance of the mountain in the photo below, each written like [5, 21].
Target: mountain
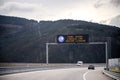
[23, 40]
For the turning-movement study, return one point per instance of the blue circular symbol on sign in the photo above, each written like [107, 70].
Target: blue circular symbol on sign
[61, 38]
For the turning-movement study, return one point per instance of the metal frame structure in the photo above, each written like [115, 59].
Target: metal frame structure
[106, 50]
[47, 50]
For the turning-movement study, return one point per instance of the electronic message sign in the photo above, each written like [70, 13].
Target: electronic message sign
[82, 38]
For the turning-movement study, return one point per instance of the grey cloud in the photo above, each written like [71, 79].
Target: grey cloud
[98, 4]
[101, 3]
[115, 21]
[18, 7]
[115, 2]
[2, 2]
[103, 21]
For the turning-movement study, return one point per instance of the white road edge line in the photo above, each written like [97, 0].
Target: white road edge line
[84, 75]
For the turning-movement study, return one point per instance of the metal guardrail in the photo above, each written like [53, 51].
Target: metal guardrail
[113, 75]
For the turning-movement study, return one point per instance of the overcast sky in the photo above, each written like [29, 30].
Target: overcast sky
[101, 11]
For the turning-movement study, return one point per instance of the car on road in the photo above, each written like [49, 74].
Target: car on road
[92, 67]
[79, 63]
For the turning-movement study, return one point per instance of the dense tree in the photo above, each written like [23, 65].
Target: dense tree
[23, 40]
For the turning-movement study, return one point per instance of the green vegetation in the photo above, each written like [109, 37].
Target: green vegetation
[23, 40]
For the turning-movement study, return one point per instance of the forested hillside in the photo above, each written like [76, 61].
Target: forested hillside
[23, 40]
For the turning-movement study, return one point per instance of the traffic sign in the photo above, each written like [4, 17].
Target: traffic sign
[82, 38]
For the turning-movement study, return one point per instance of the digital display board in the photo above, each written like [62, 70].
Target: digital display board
[82, 38]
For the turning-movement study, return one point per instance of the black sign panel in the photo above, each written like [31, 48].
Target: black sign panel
[83, 38]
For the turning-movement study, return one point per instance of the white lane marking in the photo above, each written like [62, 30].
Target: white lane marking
[84, 75]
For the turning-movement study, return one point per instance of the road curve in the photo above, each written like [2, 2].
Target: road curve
[59, 74]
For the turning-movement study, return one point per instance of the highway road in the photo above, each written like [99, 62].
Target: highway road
[59, 74]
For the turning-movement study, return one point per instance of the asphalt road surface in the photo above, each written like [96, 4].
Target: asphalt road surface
[59, 74]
